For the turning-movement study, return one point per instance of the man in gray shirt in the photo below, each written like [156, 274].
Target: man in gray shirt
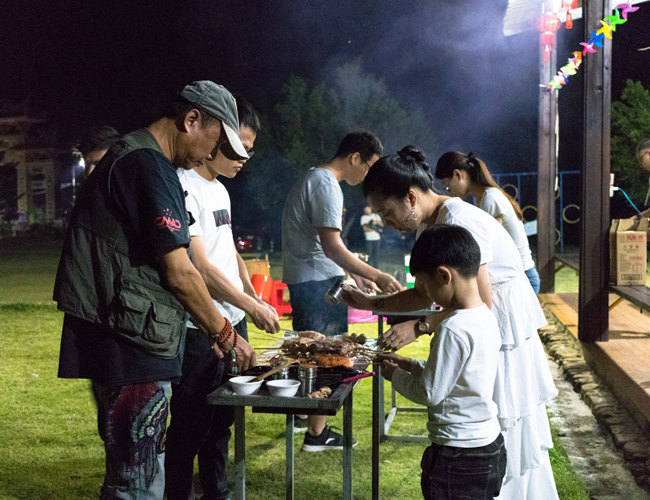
[314, 256]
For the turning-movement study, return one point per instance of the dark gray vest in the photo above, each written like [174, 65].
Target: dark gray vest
[102, 280]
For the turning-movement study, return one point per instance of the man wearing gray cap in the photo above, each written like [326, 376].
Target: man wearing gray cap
[125, 282]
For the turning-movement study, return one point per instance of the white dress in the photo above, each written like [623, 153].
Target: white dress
[497, 204]
[524, 381]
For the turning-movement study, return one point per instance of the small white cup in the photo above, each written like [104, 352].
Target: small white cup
[283, 388]
[243, 386]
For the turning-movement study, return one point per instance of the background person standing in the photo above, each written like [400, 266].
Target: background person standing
[95, 144]
[372, 226]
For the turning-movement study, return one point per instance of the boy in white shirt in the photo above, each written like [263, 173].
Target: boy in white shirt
[467, 457]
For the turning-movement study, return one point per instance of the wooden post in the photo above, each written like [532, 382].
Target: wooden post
[546, 172]
[594, 249]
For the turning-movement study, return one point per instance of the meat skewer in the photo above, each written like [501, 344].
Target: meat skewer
[322, 350]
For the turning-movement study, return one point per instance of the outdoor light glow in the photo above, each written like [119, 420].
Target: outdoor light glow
[82, 163]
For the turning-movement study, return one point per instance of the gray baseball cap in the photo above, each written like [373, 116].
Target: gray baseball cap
[217, 101]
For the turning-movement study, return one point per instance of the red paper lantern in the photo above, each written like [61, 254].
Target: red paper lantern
[550, 22]
[569, 20]
[547, 39]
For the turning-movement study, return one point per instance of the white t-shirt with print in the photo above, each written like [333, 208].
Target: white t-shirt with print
[367, 219]
[497, 204]
[209, 204]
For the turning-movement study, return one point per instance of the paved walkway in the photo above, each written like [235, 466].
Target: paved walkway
[589, 446]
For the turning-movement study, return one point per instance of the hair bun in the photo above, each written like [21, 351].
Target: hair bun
[412, 153]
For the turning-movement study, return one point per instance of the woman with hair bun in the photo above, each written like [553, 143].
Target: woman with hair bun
[463, 174]
[400, 188]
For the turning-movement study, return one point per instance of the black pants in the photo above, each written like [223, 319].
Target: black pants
[451, 473]
[196, 427]
[372, 249]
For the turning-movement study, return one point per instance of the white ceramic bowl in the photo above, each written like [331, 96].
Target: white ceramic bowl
[284, 388]
[243, 385]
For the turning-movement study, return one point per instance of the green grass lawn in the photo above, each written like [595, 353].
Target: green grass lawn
[27, 269]
[49, 447]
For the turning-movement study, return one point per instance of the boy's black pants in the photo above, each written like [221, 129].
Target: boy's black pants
[451, 473]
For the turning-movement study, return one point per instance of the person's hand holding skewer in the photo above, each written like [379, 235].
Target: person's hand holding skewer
[391, 362]
[364, 284]
[388, 284]
[240, 358]
[265, 317]
[405, 333]
[398, 336]
[402, 361]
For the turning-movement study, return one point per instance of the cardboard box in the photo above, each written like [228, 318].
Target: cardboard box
[627, 251]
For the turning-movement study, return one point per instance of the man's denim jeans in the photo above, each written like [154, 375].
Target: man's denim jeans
[533, 277]
[451, 473]
[311, 312]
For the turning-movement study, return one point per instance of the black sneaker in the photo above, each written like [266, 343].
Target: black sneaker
[328, 440]
[299, 424]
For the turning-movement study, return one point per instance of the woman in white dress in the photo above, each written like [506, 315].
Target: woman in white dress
[465, 174]
[399, 187]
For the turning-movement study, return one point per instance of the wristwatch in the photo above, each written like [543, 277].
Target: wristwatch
[422, 327]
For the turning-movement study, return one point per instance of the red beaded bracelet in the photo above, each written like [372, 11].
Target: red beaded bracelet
[225, 332]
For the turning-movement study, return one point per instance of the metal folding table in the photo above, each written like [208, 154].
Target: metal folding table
[380, 422]
[263, 402]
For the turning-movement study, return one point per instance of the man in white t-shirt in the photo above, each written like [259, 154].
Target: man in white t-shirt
[197, 427]
[372, 227]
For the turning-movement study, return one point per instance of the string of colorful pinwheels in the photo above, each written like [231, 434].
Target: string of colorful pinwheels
[608, 27]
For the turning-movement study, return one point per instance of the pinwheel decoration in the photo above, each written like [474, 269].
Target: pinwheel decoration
[597, 39]
[608, 26]
[588, 47]
[626, 7]
[616, 19]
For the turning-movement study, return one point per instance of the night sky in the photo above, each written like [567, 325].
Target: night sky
[88, 62]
